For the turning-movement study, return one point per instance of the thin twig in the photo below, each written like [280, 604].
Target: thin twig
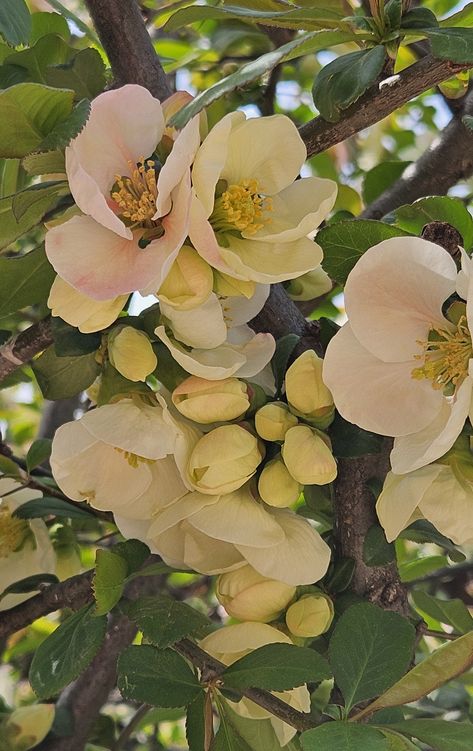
[131, 727]
[440, 634]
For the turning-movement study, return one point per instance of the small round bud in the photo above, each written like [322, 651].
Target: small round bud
[189, 281]
[224, 459]
[309, 286]
[273, 420]
[27, 726]
[307, 456]
[247, 595]
[211, 401]
[306, 392]
[131, 353]
[310, 616]
[276, 485]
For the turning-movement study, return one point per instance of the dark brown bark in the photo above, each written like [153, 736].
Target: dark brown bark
[24, 346]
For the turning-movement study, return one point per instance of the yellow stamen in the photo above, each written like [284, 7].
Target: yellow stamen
[13, 532]
[446, 356]
[136, 195]
[134, 459]
[241, 207]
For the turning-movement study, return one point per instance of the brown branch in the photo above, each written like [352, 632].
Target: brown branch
[24, 346]
[378, 103]
[123, 33]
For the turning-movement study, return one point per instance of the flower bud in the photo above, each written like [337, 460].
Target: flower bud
[273, 421]
[276, 485]
[227, 286]
[27, 726]
[306, 392]
[310, 616]
[189, 281]
[309, 286]
[211, 401]
[224, 459]
[249, 596]
[307, 456]
[131, 353]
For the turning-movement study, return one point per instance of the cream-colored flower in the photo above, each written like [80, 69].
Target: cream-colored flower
[310, 286]
[189, 281]
[247, 595]
[273, 420]
[87, 314]
[306, 392]
[27, 726]
[121, 457]
[131, 353]
[310, 616]
[224, 459]
[400, 367]
[206, 402]
[308, 457]
[229, 644]
[250, 218]
[25, 547]
[276, 485]
[133, 188]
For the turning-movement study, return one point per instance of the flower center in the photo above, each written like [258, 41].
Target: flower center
[446, 356]
[241, 207]
[136, 195]
[13, 532]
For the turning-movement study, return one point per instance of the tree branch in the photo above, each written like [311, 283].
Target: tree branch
[123, 33]
[378, 102]
[25, 345]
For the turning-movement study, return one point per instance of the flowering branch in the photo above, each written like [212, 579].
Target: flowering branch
[25, 345]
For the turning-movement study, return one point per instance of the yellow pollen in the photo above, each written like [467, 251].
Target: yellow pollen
[136, 195]
[446, 356]
[241, 207]
[134, 460]
[13, 532]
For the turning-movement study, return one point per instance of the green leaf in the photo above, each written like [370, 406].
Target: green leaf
[422, 531]
[109, 580]
[452, 612]
[70, 342]
[9, 467]
[419, 18]
[48, 51]
[164, 620]
[11, 229]
[62, 377]
[86, 30]
[349, 440]
[417, 569]
[381, 177]
[43, 24]
[284, 349]
[195, 723]
[158, 677]
[28, 113]
[413, 217]
[84, 73]
[67, 129]
[439, 734]
[66, 652]
[24, 281]
[29, 584]
[345, 242]
[397, 742]
[343, 736]
[37, 508]
[341, 576]
[369, 650]
[299, 19]
[344, 80]
[227, 737]
[277, 667]
[455, 44]
[134, 552]
[49, 162]
[463, 17]
[377, 551]
[38, 452]
[38, 198]
[445, 663]
[258, 735]
[15, 22]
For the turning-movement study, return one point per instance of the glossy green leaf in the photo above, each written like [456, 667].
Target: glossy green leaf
[343, 736]
[455, 44]
[277, 667]
[345, 242]
[453, 612]
[62, 377]
[38, 452]
[66, 652]
[438, 734]
[413, 217]
[15, 22]
[109, 580]
[164, 620]
[24, 281]
[377, 551]
[445, 663]
[38, 508]
[158, 677]
[28, 113]
[369, 650]
[344, 80]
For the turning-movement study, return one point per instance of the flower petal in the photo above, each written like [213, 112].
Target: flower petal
[202, 327]
[395, 293]
[400, 497]
[176, 165]
[205, 242]
[269, 262]
[213, 364]
[239, 309]
[393, 404]
[183, 509]
[455, 517]
[87, 314]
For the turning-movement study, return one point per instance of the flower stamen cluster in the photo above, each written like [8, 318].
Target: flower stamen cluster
[241, 207]
[446, 356]
[136, 195]
[13, 532]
